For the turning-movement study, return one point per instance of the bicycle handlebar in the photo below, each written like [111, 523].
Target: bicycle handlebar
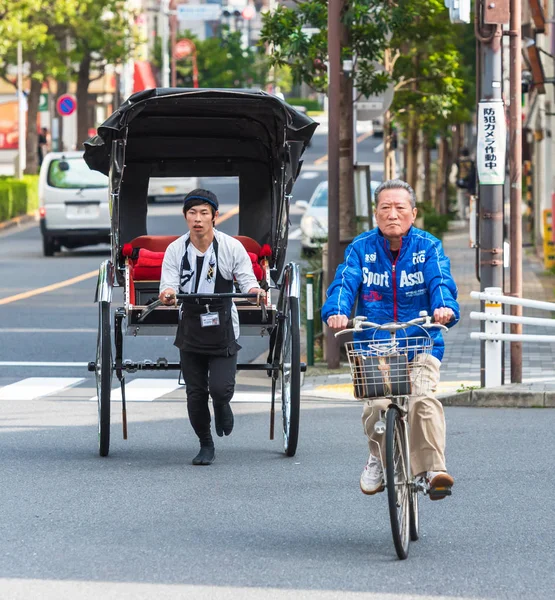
[359, 323]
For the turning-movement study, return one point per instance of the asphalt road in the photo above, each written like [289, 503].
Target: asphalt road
[145, 523]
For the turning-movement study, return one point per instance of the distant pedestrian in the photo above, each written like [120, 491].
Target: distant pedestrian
[466, 172]
[42, 144]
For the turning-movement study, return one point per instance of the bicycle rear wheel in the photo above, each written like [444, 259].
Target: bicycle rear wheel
[398, 481]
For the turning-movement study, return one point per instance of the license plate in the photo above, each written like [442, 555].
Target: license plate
[82, 211]
[169, 190]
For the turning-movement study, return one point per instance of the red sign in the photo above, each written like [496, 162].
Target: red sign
[66, 105]
[183, 48]
[248, 12]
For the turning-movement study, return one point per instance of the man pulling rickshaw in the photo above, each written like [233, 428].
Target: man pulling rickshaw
[205, 260]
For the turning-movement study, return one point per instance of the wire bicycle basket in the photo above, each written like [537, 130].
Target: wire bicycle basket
[389, 367]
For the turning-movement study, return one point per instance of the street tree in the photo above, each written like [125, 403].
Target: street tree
[431, 96]
[422, 59]
[101, 33]
[38, 25]
[222, 62]
[297, 37]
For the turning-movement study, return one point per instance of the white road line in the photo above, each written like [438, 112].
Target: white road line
[9, 363]
[37, 387]
[258, 397]
[41, 330]
[309, 174]
[144, 390]
[295, 234]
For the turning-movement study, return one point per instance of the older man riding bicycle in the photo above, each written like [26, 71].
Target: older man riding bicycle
[393, 273]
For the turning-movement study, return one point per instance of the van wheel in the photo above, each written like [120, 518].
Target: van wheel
[48, 246]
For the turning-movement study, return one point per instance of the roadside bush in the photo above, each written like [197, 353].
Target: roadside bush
[32, 182]
[4, 202]
[308, 103]
[434, 222]
[18, 197]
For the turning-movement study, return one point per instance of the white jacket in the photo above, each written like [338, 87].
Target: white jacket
[233, 262]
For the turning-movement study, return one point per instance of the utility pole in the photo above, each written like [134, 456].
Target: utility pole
[490, 155]
[515, 145]
[164, 29]
[22, 149]
[173, 40]
[334, 113]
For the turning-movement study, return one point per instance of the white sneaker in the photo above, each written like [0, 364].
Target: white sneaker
[371, 480]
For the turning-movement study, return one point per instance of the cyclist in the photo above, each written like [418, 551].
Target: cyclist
[206, 260]
[393, 272]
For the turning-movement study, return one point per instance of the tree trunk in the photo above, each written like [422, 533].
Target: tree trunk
[444, 176]
[33, 100]
[440, 179]
[412, 152]
[83, 80]
[388, 150]
[427, 170]
[347, 218]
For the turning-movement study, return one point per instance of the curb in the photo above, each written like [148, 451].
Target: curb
[512, 396]
[520, 397]
[18, 221]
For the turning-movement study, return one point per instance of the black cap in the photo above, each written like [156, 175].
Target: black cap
[199, 196]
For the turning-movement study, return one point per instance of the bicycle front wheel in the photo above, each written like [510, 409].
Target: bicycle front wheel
[398, 481]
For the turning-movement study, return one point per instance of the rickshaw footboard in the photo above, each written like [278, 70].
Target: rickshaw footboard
[162, 364]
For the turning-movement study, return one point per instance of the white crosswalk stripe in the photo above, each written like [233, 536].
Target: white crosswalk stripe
[138, 390]
[144, 390]
[37, 387]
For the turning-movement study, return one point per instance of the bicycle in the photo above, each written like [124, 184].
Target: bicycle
[382, 367]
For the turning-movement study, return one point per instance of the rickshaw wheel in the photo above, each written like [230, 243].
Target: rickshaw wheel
[104, 372]
[290, 372]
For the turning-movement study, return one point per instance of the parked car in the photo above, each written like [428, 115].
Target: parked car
[377, 127]
[73, 203]
[314, 223]
[168, 188]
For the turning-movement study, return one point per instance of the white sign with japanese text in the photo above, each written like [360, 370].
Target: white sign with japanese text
[492, 142]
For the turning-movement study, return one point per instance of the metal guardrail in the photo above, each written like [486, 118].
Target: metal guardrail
[493, 334]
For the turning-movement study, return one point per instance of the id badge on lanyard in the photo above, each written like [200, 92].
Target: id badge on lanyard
[209, 319]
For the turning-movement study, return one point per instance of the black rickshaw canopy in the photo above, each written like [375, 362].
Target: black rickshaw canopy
[180, 132]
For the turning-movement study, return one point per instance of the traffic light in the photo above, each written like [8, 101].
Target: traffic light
[246, 13]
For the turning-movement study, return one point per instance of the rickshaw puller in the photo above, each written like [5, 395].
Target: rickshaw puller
[206, 260]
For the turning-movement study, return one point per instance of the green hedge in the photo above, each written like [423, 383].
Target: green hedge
[434, 223]
[308, 103]
[18, 196]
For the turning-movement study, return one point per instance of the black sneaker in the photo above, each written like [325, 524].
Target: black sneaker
[223, 419]
[206, 455]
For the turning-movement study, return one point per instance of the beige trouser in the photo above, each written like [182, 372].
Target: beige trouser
[426, 420]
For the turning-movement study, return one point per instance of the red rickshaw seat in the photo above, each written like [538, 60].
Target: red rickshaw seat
[147, 264]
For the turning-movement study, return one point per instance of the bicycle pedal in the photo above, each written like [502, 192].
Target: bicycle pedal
[439, 492]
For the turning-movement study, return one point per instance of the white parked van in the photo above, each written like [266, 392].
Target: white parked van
[74, 203]
[168, 188]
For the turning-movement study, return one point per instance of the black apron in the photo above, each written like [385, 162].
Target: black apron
[216, 340]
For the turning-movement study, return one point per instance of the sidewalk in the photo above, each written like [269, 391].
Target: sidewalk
[460, 372]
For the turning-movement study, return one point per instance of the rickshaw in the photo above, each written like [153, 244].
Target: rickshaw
[179, 132]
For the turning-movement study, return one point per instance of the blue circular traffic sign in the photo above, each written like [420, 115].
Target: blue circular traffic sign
[66, 105]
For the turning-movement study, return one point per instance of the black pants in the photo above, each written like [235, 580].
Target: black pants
[205, 374]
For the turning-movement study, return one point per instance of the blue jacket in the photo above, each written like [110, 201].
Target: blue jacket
[387, 290]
